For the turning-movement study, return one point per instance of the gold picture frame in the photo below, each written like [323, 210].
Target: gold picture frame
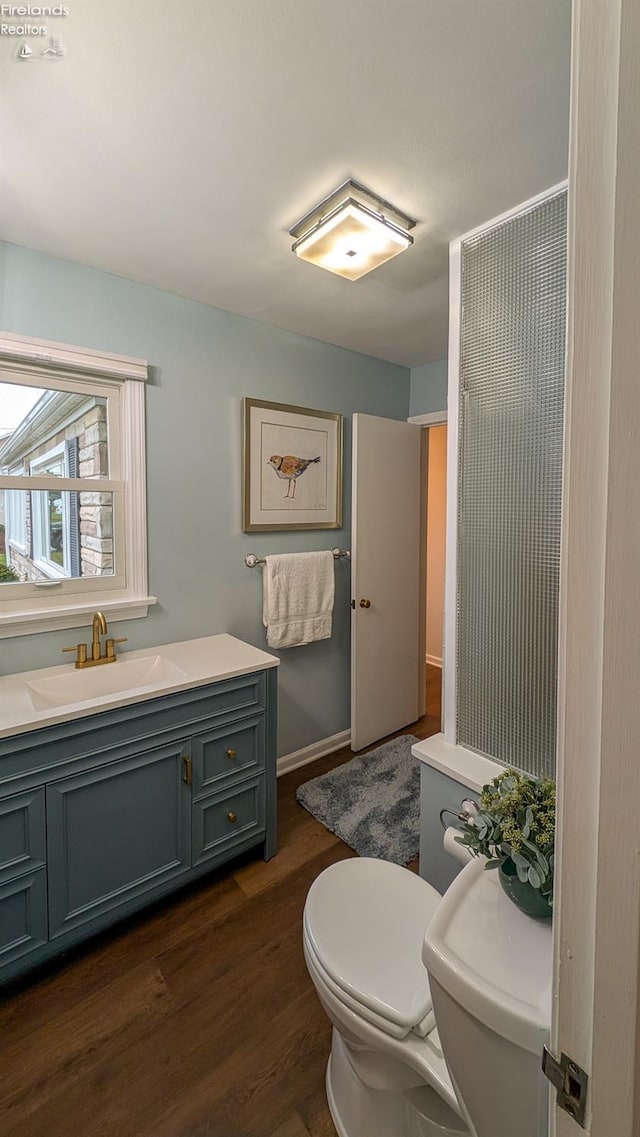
[292, 467]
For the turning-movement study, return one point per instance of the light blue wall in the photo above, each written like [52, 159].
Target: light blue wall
[203, 361]
[428, 388]
[437, 792]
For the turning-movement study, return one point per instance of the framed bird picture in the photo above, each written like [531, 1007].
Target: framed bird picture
[292, 475]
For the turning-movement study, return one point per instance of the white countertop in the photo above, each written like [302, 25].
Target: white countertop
[191, 663]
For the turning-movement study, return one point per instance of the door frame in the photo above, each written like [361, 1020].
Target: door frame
[596, 1018]
[432, 418]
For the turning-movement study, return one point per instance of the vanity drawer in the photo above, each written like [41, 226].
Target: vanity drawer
[22, 834]
[228, 753]
[227, 819]
[23, 917]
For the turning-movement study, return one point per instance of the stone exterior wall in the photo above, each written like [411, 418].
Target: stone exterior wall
[95, 508]
[96, 534]
[24, 567]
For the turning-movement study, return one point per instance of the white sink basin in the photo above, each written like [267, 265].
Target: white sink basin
[30, 700]
[81, 685]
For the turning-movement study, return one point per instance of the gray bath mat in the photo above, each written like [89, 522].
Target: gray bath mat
[371, 802]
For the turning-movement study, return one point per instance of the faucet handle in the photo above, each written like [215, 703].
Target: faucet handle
[81, 653]
[111, 645]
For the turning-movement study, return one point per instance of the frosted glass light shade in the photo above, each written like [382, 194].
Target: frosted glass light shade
[352, 243]
[351, 232]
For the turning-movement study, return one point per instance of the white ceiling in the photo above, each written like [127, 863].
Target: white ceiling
[179, 140]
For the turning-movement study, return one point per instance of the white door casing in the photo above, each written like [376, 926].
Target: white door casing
[597, 922]
[387, 555]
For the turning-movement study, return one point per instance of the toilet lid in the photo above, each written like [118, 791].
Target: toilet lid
[366, 921]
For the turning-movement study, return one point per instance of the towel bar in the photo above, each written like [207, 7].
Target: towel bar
[251, 560]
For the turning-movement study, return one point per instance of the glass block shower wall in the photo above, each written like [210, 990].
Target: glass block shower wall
[510, 485]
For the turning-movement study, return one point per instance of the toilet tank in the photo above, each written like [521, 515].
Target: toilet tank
[490, 972]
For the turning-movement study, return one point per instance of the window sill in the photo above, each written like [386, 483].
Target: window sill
[471, 770]
[73, 616]
[50, 569]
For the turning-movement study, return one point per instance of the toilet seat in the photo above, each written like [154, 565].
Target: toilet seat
[422, 1029]
[425, 1028]
[364, 927]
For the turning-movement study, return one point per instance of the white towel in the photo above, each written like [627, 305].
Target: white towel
[297, 603]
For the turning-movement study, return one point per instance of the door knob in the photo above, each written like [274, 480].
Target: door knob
[365, 603]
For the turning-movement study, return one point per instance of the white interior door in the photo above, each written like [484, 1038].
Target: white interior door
[387, 583]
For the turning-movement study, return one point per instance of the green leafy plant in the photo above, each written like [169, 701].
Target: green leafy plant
[516, 822]
[7, 574]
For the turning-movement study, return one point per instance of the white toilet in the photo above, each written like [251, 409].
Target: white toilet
[440, 1005]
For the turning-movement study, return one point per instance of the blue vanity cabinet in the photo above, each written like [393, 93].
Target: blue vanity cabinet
[23, 921]
[23, 888]
[115, 833]
[22, 834]
[105, 814]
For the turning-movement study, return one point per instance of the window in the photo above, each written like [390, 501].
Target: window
[72, 478]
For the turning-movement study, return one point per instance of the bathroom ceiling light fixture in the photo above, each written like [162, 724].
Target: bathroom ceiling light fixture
[351, 232]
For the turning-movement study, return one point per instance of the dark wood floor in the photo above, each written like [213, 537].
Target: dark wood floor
[196, 1018]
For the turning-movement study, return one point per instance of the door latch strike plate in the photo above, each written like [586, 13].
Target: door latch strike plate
[571, 1083]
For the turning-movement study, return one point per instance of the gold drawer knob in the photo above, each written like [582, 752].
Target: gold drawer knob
[231, 753]
[232, 817]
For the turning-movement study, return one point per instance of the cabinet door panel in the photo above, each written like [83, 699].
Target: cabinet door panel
[224, 820]
[223, 755]
[114, 834]
[22, 834]
[23, 916]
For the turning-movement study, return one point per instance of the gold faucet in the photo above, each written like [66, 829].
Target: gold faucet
[99, 628]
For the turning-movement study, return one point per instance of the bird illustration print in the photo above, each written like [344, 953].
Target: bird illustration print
[291, 468]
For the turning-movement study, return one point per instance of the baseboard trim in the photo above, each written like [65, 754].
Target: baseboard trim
[434, 660]
[318, 749]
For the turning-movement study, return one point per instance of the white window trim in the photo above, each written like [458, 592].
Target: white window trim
[10, 510]
[37, 360]
[46, 353]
